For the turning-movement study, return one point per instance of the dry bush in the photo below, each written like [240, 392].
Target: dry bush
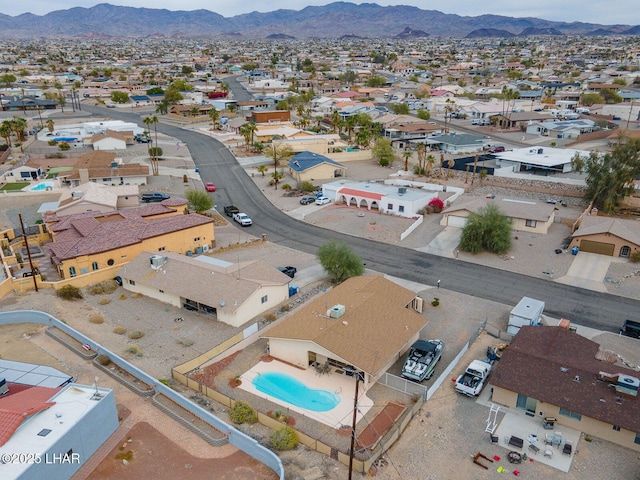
[270, 317]
[120, 330]
[104, 301]
[103, 360]
[122, 297]
[96, 318]
[108, 286]
[136, 334]
[135, 350]
[185, 342]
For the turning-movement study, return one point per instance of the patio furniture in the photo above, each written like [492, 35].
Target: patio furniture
[567, 449]
[548, 452]
[549, 423]
[494, 438]
[535, 449]
[516, 441]
[553, 439]
[478, 456]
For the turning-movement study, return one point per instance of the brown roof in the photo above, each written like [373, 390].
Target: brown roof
[376, 325]
[623, 228]
[526, 209]
[89, 233]
[559, 367]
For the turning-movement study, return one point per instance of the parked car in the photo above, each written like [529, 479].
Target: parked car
[142, 139]
[307, 199]
[288, 270]
[322, 200]
[229, 210]
[210, 187]
[243, 219]
[630, 329]
[154, 197]
[496, 149]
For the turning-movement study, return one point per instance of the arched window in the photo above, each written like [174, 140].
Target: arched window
[94, 266]
[72, 271]
[625, 251]
[110, 262]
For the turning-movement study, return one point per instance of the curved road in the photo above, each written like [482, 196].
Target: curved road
[217, 164]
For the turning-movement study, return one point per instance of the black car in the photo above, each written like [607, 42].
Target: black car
[288, 270]
[154, 197]
[307, 199]
[141, 139]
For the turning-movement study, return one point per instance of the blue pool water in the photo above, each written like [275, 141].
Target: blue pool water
[41, 186]
[288, 389]
[65, 139]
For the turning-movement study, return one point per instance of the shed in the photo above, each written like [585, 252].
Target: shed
[528, 311]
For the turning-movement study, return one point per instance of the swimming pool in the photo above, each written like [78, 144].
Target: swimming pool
[66, 139]
[41, 186]
[286, 388]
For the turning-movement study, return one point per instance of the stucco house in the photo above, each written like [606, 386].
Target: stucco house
[103, 167]
[309, 166]
[231, 293]
[617, 237]
[90, 241]
[525, 215]
[543, 159]
[92, 197]
[393, 199]
[111, 140]
[364, 324]
[457, 143]
[554, 372]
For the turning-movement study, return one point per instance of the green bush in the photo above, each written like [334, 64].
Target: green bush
[69, 292]
[135, 350]
[308, 187]
[243, 412]
[135, 334]
[284, 438]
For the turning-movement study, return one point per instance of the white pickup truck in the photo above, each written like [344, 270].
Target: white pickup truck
[473, 379]
[242, 218]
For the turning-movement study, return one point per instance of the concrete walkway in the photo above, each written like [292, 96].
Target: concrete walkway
[588, 270]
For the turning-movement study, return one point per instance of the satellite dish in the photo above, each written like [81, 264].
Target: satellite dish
[222, 303]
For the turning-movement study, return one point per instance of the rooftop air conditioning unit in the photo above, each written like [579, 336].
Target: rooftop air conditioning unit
[157, 261]
[337, 311]
[402, 190]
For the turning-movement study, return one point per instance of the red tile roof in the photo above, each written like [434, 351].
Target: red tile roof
[360, 193]
[19, 403]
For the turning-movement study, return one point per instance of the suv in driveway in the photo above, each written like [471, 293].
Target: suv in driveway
[154, 197]
[307, 199]
[288, 270]
[322, 200]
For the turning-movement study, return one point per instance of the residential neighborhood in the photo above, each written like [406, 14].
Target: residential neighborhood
[253, 234]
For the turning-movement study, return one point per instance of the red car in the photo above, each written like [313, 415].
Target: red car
[210, 187]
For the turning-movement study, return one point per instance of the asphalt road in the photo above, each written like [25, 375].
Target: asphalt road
[217, 164]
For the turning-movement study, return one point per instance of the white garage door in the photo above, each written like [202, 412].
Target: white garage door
[454, 221]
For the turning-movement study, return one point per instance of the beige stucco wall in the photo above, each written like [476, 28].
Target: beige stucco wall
[520, 224]
[607, 238]
[252, 306]
[587, 425]
[320, 172]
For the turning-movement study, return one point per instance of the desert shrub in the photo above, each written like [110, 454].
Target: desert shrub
[119, 330]
[69, 292]
[104, 301]
[308, 187]
[284, 438]
[436, 204]
[435, 302]
[285, 308]
[164, 381]
[635, 257]
[108, 286]
[243, 412]
[286, 187]
[270, 317]
[135, 350]
[122, 297]
[136, 334]
[185, 342]
[103, 360]
[96, 318]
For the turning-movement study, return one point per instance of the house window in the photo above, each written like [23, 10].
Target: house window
[570, 414]
[264, 299]
[625, 251]
[111, 262]
[197, 239]
[531, 223]
[94, 266]
[108, 179]
[616, 428]
[401, 208]
[161, 249]
[132, 282]
[72, 271]
[390, 206]
[637, 439]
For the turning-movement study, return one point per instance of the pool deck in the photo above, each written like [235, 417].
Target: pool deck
[343, 386]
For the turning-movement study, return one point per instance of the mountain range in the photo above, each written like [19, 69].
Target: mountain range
[339, 19]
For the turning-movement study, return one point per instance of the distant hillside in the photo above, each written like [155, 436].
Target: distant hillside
[335, 20]
[489, 33]
[410, 33]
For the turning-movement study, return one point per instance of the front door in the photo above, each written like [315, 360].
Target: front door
[527, 404]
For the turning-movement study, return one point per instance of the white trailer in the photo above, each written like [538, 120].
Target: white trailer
[528, 311]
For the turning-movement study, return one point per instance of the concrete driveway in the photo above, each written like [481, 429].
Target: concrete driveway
[445, 244]
[587, 271]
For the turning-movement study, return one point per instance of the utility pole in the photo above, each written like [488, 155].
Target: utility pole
[353, 424]
[26, 244]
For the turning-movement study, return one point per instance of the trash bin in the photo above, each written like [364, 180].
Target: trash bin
[574, 250]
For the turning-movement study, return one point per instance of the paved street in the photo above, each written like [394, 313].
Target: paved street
[216, 163]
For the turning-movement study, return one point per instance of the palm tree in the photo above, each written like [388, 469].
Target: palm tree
[5, 131]
[277, 153]
[262, 169]
[335, 121]
[431, 160]
[195, 111]
[214, 114]
[50, 124]
[163, 107]
[247, 130]
[148, 121]
[18, 124]
[407, 155]
[421, 150]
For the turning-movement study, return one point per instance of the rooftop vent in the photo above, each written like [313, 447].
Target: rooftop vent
[628, 385]
[337, 311]
[402, 190]
[157, 261]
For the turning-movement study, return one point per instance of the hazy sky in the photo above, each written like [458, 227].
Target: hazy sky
[594, 11]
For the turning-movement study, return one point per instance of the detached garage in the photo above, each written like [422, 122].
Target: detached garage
[615, 237]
